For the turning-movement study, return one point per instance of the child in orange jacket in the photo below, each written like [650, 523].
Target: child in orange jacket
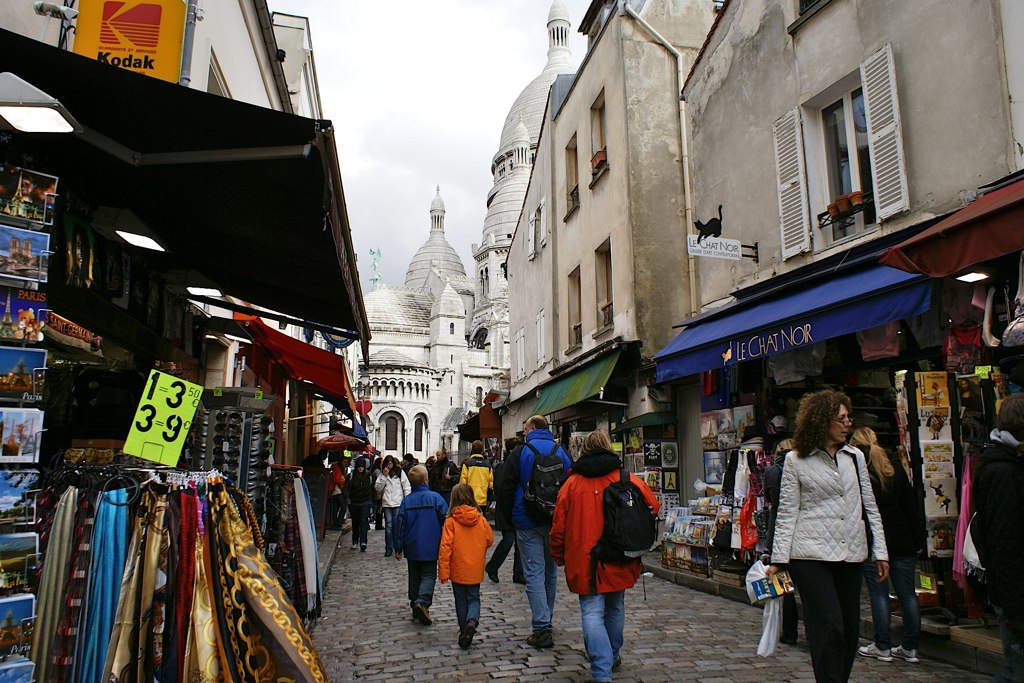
[464, 543]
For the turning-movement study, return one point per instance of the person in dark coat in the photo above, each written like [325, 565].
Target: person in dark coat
[772, 479]
[444, 475]
[360, 498]
[503, 523]
[903, 533]
[998, 533]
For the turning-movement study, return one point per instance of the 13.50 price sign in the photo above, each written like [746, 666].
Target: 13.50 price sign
[163, 418]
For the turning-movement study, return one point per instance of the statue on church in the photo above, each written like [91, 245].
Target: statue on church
[375, 267]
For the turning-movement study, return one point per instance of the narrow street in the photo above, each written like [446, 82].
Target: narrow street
[675, 635]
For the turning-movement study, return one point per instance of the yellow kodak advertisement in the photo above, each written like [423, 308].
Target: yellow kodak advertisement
[143, 36]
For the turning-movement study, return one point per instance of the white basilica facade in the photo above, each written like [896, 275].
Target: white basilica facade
[440, 341]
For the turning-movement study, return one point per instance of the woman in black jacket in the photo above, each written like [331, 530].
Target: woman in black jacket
[999, 502]
[896, 503]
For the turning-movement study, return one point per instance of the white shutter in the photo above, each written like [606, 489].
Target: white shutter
[543, 222]
[885, 135]
[540, 339]
[530, 234]
[520, 353]
[794, 218]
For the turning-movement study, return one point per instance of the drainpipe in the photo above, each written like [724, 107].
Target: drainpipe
[684, 148]
[187, 42]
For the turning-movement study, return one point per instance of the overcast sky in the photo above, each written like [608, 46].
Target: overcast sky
[418, 93]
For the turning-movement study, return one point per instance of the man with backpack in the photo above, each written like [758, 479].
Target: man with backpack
[529, 488]
[600, 540]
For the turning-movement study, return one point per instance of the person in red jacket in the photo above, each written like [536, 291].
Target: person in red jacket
[575, 529]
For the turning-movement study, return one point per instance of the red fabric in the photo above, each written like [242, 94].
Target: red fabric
[464, 543]
[576, 527]
[303, 362]
[185, 586]
[985, 229]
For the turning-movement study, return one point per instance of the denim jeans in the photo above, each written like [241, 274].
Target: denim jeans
[422, 574]
[541, 574]
[901, 572]
[389, 527]
[467, 603]
[1013, 654]
[507, 542]
[360, 522]
[604, 617]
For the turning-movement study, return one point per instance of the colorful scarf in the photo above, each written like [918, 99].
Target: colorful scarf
[52, 582]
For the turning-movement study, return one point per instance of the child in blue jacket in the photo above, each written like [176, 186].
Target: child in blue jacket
[418, 536]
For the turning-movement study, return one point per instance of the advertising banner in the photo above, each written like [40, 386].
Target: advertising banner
[143, 36]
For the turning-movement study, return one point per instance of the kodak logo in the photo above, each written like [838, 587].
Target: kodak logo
[128, 61]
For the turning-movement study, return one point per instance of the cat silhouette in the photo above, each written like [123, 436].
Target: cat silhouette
[713, 228]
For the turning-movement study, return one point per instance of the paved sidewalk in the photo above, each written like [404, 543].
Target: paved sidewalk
[675, 635]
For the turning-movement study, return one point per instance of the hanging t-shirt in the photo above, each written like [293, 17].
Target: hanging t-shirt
[798, 364]
[962, 349]
[880, 342]
[958, 302]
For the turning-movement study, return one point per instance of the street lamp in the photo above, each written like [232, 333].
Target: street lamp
[26, 108]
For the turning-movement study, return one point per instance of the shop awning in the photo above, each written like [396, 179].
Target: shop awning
[577, 386]
[482, 425]
[845, 303]
[647, 420]
[985, 229]
[324, 370]
[247, 197]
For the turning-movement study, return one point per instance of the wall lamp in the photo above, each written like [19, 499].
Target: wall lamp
[26, 108]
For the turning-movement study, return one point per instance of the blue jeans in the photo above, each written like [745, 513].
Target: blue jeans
[604, 617]
[1013, 654]
[901, 572]
[422, 574]
[389, 527]
[541, 574]
[467, 603]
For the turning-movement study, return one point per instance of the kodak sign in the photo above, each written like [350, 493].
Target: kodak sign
[143, 36]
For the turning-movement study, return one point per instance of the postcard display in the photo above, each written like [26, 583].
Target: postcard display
[26, 211]
[652, 453]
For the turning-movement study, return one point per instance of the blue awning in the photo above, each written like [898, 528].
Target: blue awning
[845, 303]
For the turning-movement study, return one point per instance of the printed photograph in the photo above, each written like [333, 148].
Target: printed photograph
[940, 497]
[21, 371]
[27, 194]
[934, 424]
[23, 253]
[968, 393]
[19, 554]
[20, 435]
[715, 463]
[17, 613]
[941, 536]
[18, 490]
[19, 670]
[931, 389]
[22, 318]
[713, 423]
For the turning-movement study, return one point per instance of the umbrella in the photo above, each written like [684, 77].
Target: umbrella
[340, 442]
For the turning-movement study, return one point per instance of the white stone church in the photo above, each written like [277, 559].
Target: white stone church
[440, 340]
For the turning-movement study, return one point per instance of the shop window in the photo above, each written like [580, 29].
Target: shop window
[575, 309]
[847, 161]
[572, 178]
[603, 277]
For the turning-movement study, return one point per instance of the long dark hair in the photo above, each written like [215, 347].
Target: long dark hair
[814, 418]
[396, 469]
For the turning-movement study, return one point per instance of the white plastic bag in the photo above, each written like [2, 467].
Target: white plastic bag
[757, 571]
[771, 620]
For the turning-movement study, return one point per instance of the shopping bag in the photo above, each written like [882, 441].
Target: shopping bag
[771, 621]
[757, 571]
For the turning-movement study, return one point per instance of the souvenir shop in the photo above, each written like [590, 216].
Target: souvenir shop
[155, 527]
[925, 335]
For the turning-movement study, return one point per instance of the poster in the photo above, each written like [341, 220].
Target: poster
[941, 536]
[652, 477]
[940, 497]
[652, 453]
[27, 194]
[931, 389]
[19, 554]
[669, 454]
[968, 393]
[934, 424]
[715, 463]
[24, 253]
[21, 371]
[713, 424]
[742, 419]
[576, 445]
[20, 435]
[937, 451]
[669, 481]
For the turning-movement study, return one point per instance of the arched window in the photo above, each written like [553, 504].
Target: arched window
[451, 328]
[418, 437]
[479, 396]
[391, 433]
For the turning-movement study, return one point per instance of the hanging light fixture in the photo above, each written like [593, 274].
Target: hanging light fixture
[26, 108]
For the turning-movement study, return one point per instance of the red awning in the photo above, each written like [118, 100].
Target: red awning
[303, 362]
[987, 228]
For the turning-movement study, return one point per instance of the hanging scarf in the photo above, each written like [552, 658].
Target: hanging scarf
[307, 538]
[202, 663]
[259, 633]
[123, 645]
[53, 581]
[185, 579]
[966, 511]
[65, 642]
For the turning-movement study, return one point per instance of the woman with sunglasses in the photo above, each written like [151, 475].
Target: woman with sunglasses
[828, 524]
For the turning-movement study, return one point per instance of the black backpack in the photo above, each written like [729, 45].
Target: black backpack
[630, 526]
[546, 478]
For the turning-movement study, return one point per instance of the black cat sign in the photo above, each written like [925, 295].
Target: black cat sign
[715, 247]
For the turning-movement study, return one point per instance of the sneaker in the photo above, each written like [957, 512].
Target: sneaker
[870, 650]
[422, 613]
[354, 546]
[466, 638]
[541, 639]
[493, 576]
[362, 548]
[907, 655]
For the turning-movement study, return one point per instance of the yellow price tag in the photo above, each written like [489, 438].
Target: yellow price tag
[926, 582]
[983, 371]
[163, 418]
[217, 391]
[259, 394]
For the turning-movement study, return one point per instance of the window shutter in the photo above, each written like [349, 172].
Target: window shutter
[530, 234]
[540, 338]
[543, 222]
[885, 135]
[794, 219]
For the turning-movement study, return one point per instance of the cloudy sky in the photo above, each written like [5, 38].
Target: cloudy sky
[418, 92]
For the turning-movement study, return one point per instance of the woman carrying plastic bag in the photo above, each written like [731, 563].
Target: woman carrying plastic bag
[760, 590]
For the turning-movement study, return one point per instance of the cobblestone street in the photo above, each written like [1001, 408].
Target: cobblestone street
[676, 634]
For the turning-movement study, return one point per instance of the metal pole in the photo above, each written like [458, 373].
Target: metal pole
[187, 42]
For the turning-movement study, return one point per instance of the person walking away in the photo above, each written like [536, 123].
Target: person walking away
[503, 523]
[826, 508]
[575, 530]
[998, 530]
[377, 516]
[464, 543]
[392, 487]
[772, 479]
[896, 504]
[443, 475]
[360, 497]
[337, 508]
[476, 473]
[529, 488]
[417, 535]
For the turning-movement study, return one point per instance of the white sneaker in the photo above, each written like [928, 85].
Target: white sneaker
[905, 655]
[870, 650]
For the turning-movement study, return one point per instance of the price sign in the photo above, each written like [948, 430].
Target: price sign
[163, 418]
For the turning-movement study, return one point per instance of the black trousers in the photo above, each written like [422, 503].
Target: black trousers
[830, 592]
[507, 542]
[790, 618]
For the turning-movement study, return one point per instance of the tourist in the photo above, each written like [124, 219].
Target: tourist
[476, 472]
[360, 498]
[418, 536]
[464, 543]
